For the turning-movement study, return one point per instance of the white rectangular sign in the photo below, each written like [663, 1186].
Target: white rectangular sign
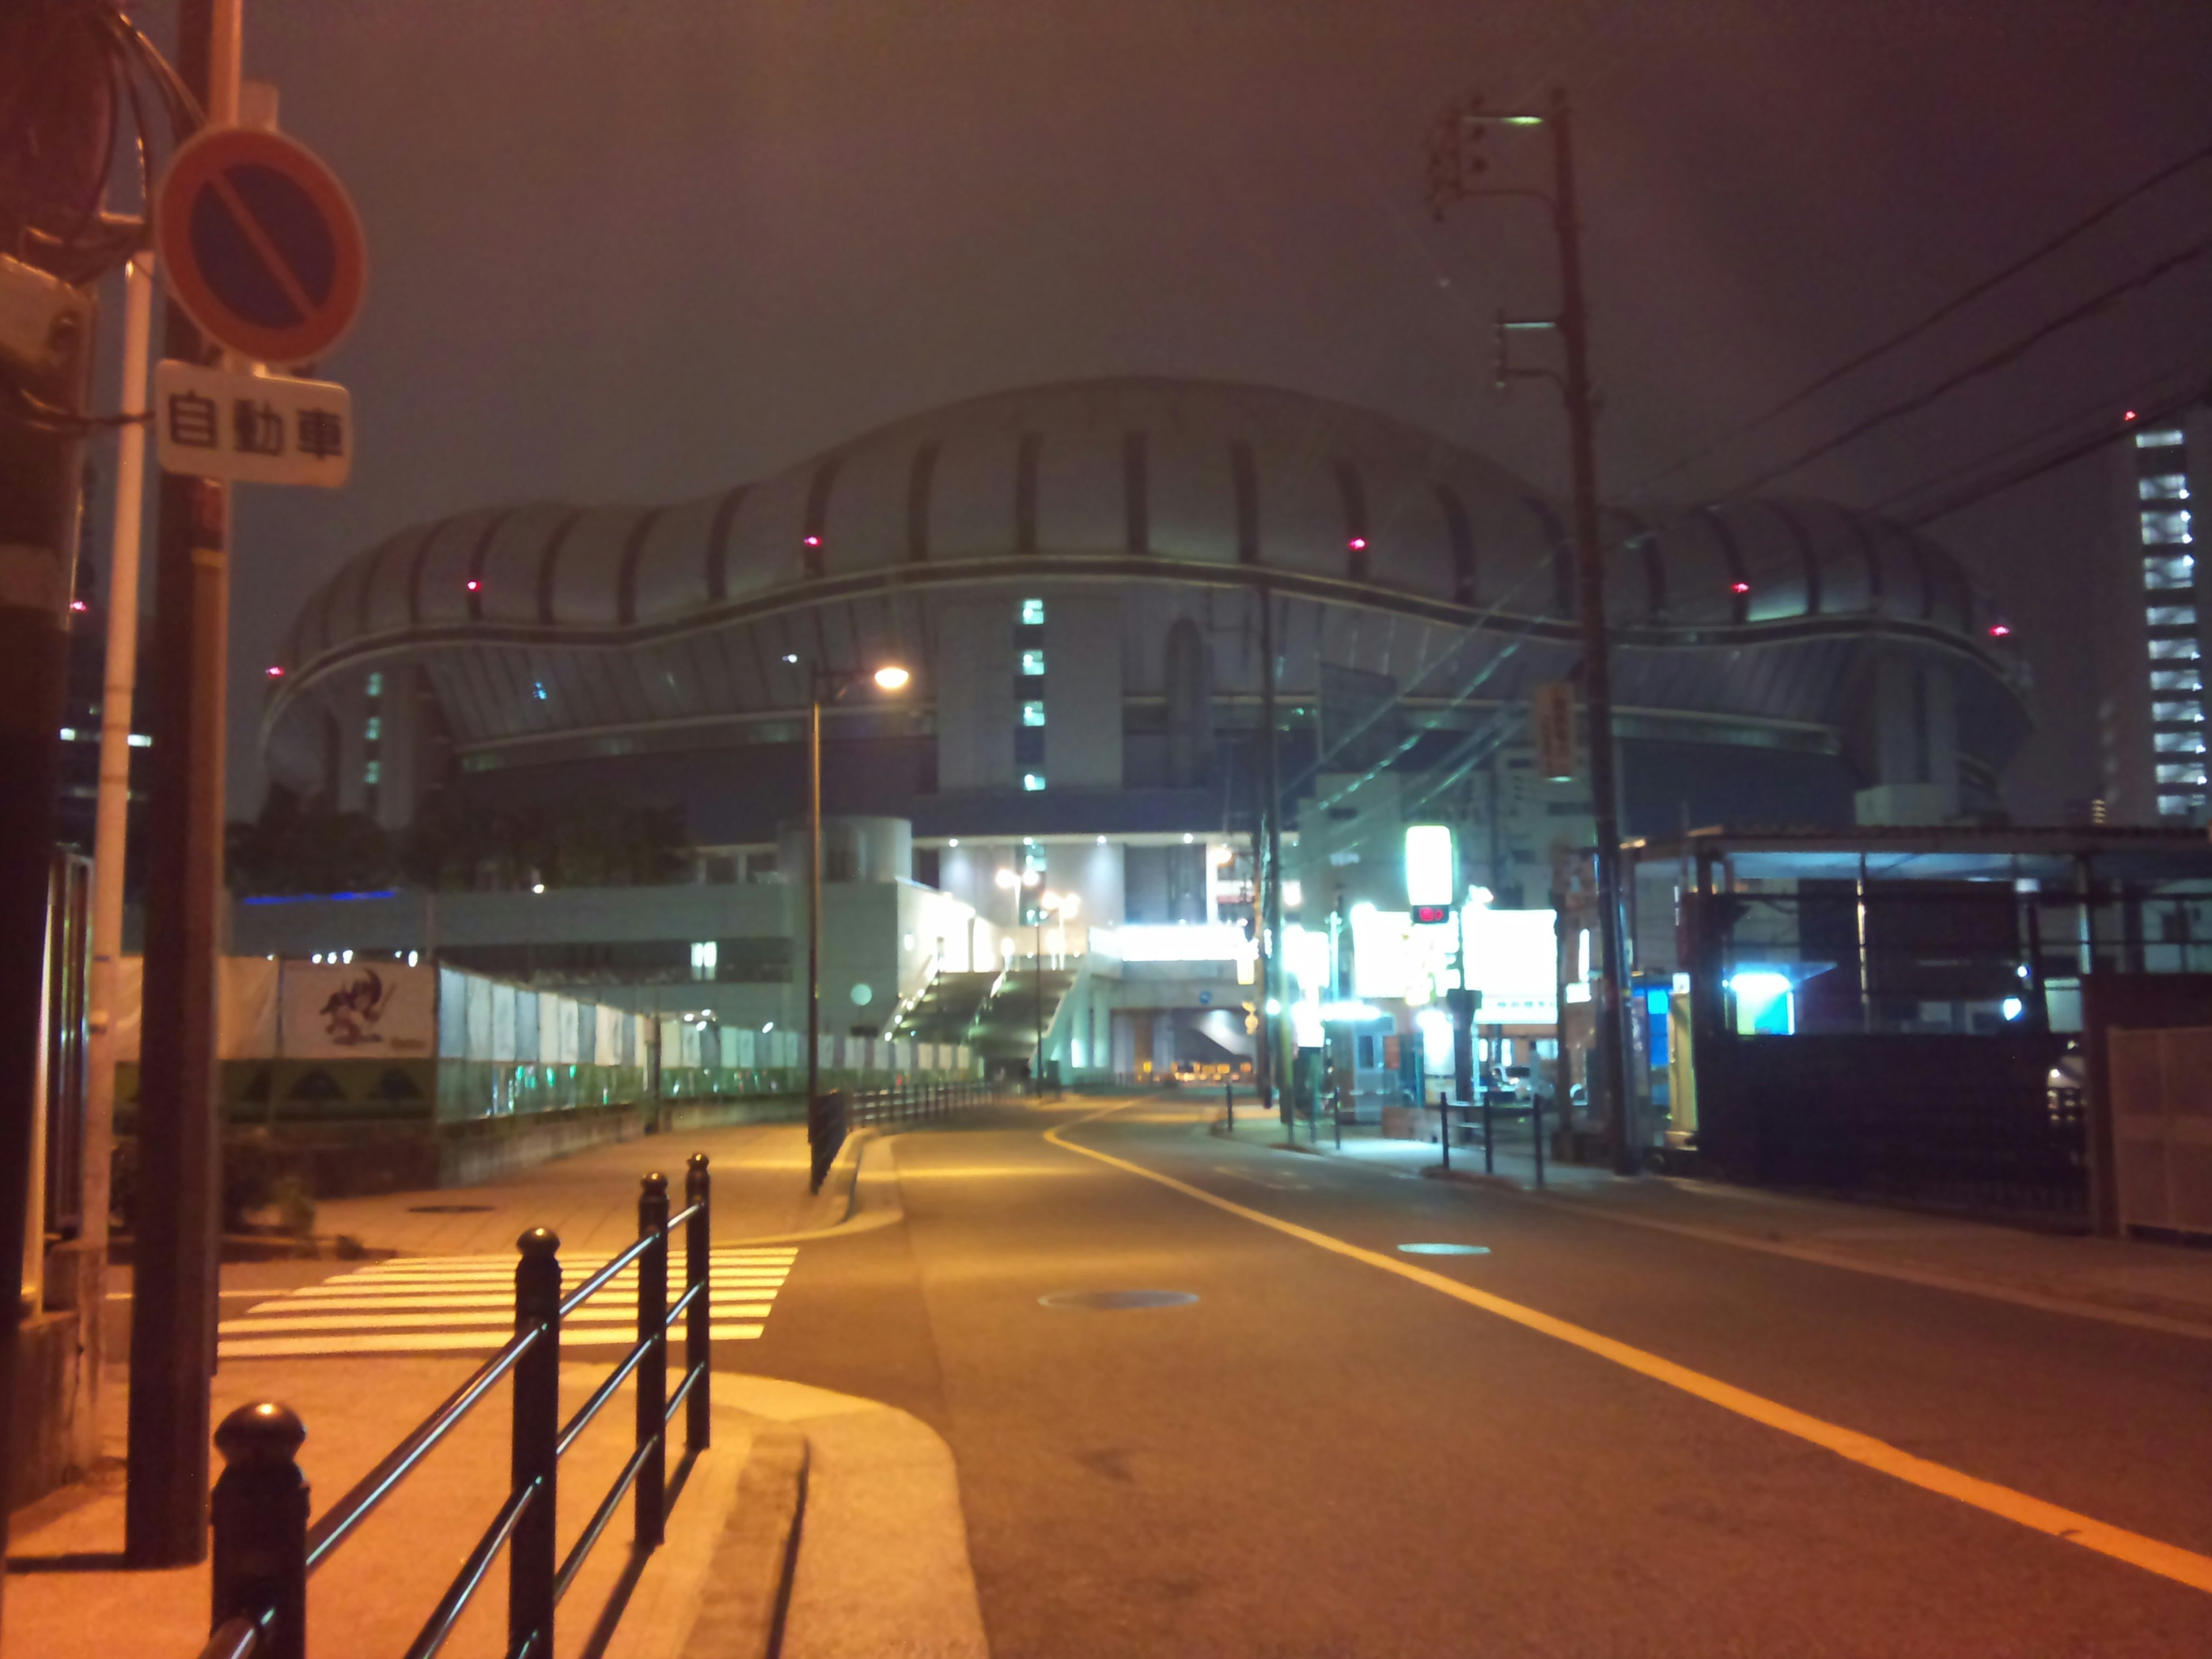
[252, 429]
[360, 1011]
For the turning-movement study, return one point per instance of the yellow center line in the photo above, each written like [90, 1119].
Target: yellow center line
[2166, 1560]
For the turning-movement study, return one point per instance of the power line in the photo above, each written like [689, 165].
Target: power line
[2098, 410]
[1983, 366]
[2052, 463]
[1949, 309]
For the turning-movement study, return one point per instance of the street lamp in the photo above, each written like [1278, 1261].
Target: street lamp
[823, 685]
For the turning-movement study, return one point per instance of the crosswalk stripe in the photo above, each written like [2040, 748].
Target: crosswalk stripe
[249, 1324]
[474, 1299]
[454, 1304]
[279, 1347]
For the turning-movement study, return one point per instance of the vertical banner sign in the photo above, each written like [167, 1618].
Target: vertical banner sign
[1552, 716]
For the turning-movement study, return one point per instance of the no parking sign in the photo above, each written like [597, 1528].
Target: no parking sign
[260, 244]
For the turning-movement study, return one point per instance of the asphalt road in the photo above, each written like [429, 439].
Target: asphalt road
[1320, 1456]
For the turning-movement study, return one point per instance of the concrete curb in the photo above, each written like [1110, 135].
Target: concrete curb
[831, 1211]
[883, 1568]
[747, 1590]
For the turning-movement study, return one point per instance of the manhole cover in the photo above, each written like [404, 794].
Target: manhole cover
[1445, 1249]
[450, 1209]
[1111, 1301]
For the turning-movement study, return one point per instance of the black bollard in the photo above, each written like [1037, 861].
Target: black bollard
[652, 1491]
[534, 1455]
[260, 1516]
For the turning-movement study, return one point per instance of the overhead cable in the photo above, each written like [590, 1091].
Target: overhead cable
[1943, 312]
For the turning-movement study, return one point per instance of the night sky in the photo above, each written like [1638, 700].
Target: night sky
[639, 252]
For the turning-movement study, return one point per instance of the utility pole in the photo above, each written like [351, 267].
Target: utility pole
[118, 687]
[1453, 159]
[172, 1309]
[1270, 893]
[41, 465]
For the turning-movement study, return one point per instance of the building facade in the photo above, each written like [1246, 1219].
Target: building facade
[1083, 579]
[2152, 714]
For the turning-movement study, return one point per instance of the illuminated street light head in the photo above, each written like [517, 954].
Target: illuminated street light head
[892, 678]
[1007, 878]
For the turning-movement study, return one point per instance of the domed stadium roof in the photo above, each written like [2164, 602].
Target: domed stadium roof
[1152, 478]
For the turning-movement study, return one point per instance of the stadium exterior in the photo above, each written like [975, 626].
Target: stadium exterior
[1074, 574]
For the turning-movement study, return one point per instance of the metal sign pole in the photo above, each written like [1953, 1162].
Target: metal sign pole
[173, 1310]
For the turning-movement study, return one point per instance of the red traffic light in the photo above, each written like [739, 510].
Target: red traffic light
[1431, 914]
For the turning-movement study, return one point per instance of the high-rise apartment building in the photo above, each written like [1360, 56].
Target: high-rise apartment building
[2151, 720]
[2174, 637]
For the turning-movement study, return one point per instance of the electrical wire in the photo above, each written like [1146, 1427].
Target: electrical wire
[1942, 312]
[2052, 463]
[1983, 366]
[2098, 410]
[75, 239]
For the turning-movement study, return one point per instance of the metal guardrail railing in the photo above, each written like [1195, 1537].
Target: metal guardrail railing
[264, 1548]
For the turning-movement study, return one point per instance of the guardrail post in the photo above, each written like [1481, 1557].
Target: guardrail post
[1443, 1117]
[533, 1455]
[260, 1516]
[698, 1330]
[653, 1369]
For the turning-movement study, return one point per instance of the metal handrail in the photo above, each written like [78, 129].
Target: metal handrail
[598, 1281]
[439, 1625]
[373, 1488]
[233, 1638]
[600, 1517]
[600, 1395]
[264, 1548]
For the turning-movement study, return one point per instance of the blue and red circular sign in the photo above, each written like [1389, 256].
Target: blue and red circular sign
[260, 244]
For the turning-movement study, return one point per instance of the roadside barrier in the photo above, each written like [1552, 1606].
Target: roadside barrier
[916, 1103]
[834, 1113]
[264, 1548]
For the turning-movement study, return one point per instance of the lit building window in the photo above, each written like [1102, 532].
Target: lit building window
[1032, 662]
[704, 958]
[2164, 438]
[2164, 529]
[375, 687]
[2170, 570]
[2181, 774]
[1032, 612]
[2171, 616]
[375, 730]
[2164, 487]
[2168, 714]
[2178, 743]
[1033, 714]
[2175, 805]
[372, 772]
[2168, 650]
[1032, 780]
[2177, 679]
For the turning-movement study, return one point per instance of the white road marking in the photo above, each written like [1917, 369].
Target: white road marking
[453, 1303]
[275, 1347]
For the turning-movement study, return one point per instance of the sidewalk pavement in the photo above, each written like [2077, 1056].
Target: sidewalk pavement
[2155, 1286]
[590, 1198]
[68, 1594]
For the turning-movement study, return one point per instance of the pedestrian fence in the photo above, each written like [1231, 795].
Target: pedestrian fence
[266, 1548]
[834, 1113]
[907, 1102]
